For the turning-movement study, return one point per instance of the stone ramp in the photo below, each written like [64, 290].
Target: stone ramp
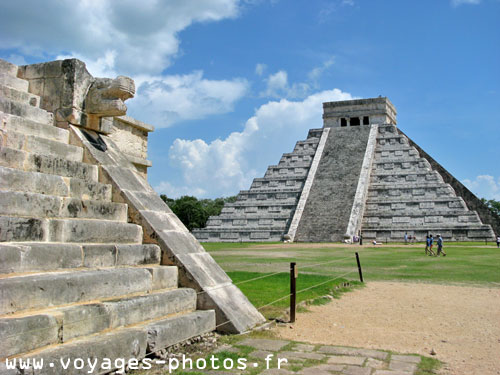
[198, 270]
[76, 279]
[328, 208]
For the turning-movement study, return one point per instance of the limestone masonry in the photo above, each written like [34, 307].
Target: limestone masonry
[358, 174]
[93, 264]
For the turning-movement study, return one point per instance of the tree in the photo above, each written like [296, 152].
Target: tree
[493, 205]
[194, 213]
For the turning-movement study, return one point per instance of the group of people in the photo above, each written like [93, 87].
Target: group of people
[409, 239]
[429, 243]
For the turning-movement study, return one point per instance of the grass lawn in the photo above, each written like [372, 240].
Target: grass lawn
[466, 263]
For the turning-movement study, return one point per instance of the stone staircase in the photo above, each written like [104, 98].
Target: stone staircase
[264, 212]
[406, 195]
[75, 278]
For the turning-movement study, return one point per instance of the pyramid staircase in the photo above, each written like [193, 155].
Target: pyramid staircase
[75, 278]
[265, 211]
[406, 195]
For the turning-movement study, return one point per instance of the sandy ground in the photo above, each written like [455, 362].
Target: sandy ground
[461, 324]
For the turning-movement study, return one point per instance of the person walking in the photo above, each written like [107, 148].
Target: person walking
[406, 238]
[440, 246]
[427, 244]
[498, 241]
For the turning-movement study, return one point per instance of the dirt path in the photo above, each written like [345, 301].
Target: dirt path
[462, 324]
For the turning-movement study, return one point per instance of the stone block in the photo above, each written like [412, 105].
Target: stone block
[402, 366]
[123, 344]
[260, 235]
[38, 256]
[170, 331]
[149, 201]
[200, 271]
[53, 289]
[356, 370]
[339, 350]
[174, 243]
[20, 335]
[231, 307]
[29, 204]
[94, 231]
[17, 180]
[264, 344]
[131, 310]
[133, 255]
[14, 82]
[89, 209]
[89, 190]
[82, 320]
[346, 360]
[301, 355]
[23, 229]
[406, 358]
[99, 255]
[164, 277]
[157, 222]
[61, 167]
[229, 236]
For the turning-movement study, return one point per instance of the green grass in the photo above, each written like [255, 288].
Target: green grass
[428, 366]
[266, 290]
[464, 264]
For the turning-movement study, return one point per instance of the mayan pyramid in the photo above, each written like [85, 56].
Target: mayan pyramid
[359, 174]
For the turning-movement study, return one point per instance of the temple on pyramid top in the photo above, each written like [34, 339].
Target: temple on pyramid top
[358, 112]
[357, 175]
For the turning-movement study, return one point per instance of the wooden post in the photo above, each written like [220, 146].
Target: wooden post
[359, 268]
[293, 290]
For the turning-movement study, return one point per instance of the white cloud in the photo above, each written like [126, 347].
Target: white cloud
[143, 36]
[260, 69]
[278, 87]
[164, 100]
[224, 166]
[484, 186]
[456, 3]
[172, 191]
[315, 74]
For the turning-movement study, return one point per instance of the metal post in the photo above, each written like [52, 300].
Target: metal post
[293, 291]
[359, 268]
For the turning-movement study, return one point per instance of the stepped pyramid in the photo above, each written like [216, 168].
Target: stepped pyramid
[359, 174]
[93, 264]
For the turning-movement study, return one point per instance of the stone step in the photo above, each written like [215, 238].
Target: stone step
[23, 160]
[28, 127]
[17, 180]
[51, 289]
[49, 256]
[19, 96]
[8, 68]
[43, 146]
[21, 229]
[27, 204]
[10, 80]
[122, 344]
[59, 325]
[26, 111]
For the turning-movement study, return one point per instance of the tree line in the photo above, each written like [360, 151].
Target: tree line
[194, 212]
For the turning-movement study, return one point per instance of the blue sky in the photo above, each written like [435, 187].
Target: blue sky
[230, 85]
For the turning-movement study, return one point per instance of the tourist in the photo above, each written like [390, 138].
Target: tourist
[431, 243]
[427, 243]
[498, 241]
[406, 238]
[440, 246]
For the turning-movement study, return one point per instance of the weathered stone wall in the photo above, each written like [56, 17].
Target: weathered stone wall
[328, 209]
[473, 203]
[131, 137]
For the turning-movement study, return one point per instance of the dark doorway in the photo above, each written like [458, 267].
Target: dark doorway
[355, 121]
[343, 122]
[366, 120]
